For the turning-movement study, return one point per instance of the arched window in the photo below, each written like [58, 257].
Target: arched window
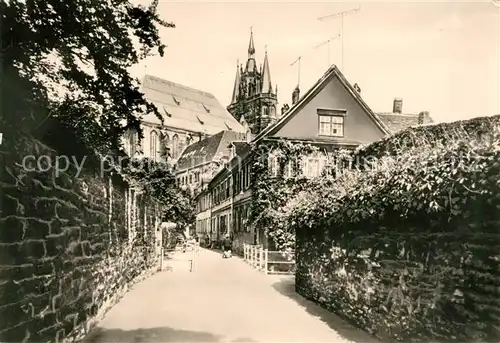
[133, 142]
[265, 110]
[189, 140]
[175, 146]
[181, 146]
[164, 145]
[154, 145]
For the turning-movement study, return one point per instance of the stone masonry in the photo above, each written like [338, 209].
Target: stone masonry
[69, 246]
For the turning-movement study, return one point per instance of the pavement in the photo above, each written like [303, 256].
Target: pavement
[221, 300]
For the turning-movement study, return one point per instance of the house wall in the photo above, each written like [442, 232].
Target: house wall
[358, 126]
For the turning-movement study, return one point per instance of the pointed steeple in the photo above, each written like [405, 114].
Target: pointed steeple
[251, 66]
[267, 87]
[251, 47]
[237, 80]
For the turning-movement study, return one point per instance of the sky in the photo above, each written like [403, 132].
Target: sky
[441, 57]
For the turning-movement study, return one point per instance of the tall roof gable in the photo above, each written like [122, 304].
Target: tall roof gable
[307, 97]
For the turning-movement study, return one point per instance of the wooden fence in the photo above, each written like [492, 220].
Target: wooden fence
[269, 262]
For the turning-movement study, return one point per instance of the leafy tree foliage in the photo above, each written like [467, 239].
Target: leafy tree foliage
[157, 180]
[73, 57]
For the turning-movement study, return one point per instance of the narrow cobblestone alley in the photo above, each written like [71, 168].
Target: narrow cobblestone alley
[223, 300]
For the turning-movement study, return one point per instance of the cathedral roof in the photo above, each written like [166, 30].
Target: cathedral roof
[187, 108]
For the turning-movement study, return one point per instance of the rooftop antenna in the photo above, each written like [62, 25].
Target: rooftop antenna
[327, 42]
[341, 15]
[297, 60]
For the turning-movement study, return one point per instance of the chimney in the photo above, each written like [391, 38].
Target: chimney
[423, 117]
[295, 95]
[356, 87]
[284, 109]
[398, 106]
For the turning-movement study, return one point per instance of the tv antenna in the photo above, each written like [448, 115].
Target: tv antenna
[341, 15]
[327, 42]
[297, 60]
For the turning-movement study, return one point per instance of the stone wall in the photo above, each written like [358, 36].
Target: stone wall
[70, 244]
[409, 248]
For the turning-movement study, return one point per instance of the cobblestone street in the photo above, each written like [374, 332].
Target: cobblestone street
[223, 300]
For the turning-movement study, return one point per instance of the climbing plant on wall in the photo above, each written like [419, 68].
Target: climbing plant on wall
[158, 180]
[413, 239]
[271, 194]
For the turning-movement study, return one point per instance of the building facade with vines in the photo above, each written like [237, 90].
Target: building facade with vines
[329, 118]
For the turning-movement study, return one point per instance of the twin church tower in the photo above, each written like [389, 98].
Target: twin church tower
[254, 102]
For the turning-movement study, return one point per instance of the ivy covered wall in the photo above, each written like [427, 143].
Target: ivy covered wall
[407, 245]
[272, 192]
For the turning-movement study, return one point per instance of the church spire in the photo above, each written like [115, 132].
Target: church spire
[251, 48]
[251, 66]
[236, 89]
[267, 87]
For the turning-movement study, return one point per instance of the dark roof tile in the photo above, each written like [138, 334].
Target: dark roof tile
[207, 149]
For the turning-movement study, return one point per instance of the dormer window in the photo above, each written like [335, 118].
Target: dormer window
[177, 102]
[166, 112]
[206, 108]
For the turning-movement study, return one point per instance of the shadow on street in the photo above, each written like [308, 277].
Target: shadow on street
[350, 332]
[158, 335]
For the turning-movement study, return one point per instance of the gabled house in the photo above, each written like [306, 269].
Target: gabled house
[200, 161]
[330, 116]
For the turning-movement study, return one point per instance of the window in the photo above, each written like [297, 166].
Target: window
[164, 145]
[273, 165]
[167, 113]
[206, 108]
[312, 167]
[175, 146]
[153, 145]
[133, 142]
[288, 172]
[331, 126]
[190, 178]
[331, 122]
[265, 111]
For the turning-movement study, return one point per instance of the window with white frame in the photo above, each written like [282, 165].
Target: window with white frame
[331, 122]
[273, 165]
[313, 167]
[288, 172]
